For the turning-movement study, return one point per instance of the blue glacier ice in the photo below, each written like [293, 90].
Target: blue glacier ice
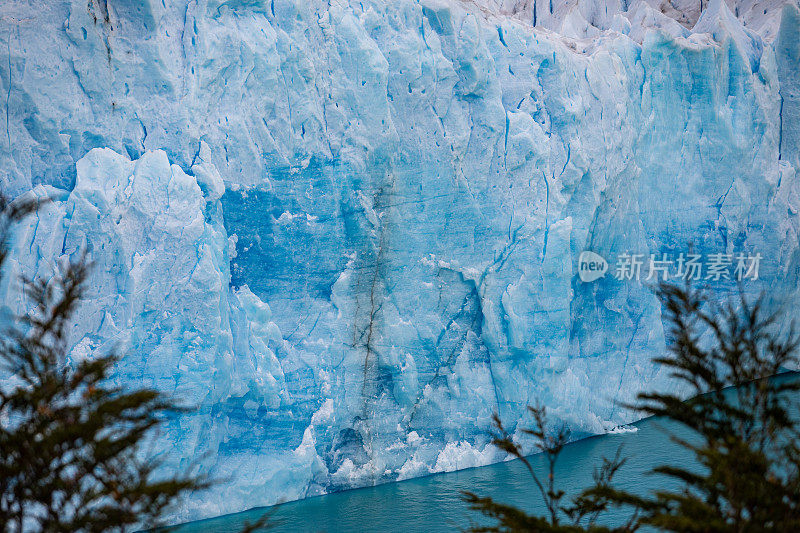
[347, 232]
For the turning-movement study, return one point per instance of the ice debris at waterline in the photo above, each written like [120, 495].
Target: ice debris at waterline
[348, 233]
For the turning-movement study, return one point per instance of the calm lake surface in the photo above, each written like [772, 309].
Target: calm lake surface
[432, 504]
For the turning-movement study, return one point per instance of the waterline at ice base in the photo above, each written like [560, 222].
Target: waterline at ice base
[347, 233]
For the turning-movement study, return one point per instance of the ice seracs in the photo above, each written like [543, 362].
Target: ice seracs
[349, 233]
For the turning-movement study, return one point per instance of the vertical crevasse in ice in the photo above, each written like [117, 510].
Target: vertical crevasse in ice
[348, 233]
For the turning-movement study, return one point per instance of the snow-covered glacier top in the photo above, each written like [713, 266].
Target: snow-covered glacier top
[349, 232]
[588, 18]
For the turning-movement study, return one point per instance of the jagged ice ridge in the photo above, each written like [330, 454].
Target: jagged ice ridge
[348, 231]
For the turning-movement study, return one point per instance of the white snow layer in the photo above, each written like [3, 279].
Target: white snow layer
[347, 232]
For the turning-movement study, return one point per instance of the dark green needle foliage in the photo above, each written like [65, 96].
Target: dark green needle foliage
[579, 514]
[70, 441]
[745, 441]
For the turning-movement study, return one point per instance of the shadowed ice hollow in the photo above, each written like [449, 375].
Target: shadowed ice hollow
[348, 232]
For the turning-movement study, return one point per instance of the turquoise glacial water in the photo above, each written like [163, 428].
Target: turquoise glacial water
[432, 504]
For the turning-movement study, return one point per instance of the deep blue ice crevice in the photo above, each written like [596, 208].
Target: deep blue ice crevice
[349, 232]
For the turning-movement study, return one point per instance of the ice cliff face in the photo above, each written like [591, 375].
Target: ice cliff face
[348, 232]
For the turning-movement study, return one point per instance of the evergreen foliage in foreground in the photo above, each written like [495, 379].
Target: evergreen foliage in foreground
[69, 440]
[746, 443]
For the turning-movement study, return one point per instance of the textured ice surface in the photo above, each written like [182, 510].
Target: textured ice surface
[348, 233]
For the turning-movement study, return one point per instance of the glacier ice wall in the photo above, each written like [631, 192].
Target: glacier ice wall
[347, 232]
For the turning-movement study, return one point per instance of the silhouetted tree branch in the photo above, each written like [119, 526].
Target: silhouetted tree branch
[69, 440]
[744, 438]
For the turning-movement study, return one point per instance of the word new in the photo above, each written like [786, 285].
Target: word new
[711, 267]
